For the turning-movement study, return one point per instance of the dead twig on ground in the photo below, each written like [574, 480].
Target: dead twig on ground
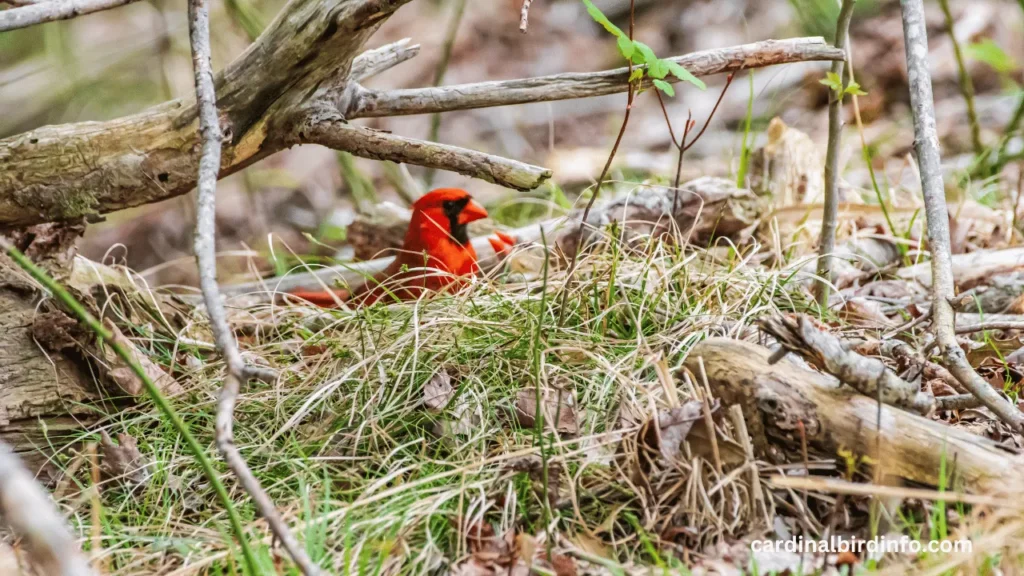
[868, 376]
[206, 257]
[926, 142]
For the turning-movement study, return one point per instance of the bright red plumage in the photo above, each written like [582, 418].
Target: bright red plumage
[436, 252]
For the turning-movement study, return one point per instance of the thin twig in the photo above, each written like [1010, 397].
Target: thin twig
[440, 71]
[830, 213]
[27, 509]
[51, 11]
[926, 142]
[600, 181]
[684, 144]
[966, 85]
[524, 16]
[206, 257]
[986, 326]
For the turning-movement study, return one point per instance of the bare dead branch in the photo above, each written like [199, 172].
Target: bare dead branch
[830, 215]
[206, 256]
[373, 62]
[53, 10]
[868, 376]
[926, 143]
[27, 509]
[377, 145]
[375, 103]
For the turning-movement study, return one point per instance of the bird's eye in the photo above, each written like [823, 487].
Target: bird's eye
[448, 205]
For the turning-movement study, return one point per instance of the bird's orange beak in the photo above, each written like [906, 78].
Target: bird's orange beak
[471, 212]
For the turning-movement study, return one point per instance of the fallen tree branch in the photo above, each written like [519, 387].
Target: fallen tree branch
[206, 257]
[378, 145]
[53, 10]
[27, 509]
[926, 143]
[374, 103]
[778, 400]
[867, 375]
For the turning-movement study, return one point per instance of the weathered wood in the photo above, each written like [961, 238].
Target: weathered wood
[369, 143]
[777, 398]
[373, 103]
[73, 170]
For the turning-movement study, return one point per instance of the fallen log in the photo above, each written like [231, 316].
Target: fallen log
[778, 399]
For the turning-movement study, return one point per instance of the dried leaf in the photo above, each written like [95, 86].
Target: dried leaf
[534, 466]
[591, 545]
[125, 378]
[672, 428]
[731, 453]
[438, 391]
[123, 461]
[558, 407]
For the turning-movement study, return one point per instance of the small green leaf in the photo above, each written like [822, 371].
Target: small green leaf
[833, 81]
[644, 53]
[990, 53]
[626, 47]
[657, 69]
[636, 74]
[603, 20]
[854, 89]
[665, 87]
[684, 74]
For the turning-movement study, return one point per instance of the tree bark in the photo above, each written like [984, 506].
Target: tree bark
[778, 398]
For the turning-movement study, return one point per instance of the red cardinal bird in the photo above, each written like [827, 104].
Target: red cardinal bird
[437, 238]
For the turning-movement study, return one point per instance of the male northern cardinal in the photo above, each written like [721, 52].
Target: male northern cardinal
[437, 239]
